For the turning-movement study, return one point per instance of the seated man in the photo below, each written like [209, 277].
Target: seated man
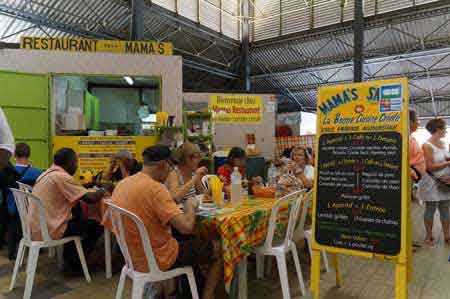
[122, 165]
[145, 195]
[59, 193]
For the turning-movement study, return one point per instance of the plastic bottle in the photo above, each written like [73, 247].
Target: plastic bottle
[272, 175]
[236, 186]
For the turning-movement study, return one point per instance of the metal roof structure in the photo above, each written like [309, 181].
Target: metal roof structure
[402, 39]
[295, 45]
[204, 32]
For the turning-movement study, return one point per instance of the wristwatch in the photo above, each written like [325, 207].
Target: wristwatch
[100, 189]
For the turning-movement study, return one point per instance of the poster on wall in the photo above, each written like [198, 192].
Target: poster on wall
[95, 152]
[361, 192]
[232, 109]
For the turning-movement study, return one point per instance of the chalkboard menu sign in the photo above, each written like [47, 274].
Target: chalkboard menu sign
[359, 191]
[361, 156]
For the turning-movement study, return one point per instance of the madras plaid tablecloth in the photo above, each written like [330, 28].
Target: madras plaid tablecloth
[240, 229]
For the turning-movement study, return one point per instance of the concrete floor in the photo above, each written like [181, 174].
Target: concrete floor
[361, 278]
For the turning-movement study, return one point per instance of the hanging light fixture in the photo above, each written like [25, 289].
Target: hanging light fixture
[129, 80]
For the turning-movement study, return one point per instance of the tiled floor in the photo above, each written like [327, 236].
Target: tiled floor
[361, 278]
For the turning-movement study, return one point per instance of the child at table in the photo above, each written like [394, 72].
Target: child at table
[237, 157]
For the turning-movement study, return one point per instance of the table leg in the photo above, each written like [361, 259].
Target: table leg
[108, 253]
[242, 272]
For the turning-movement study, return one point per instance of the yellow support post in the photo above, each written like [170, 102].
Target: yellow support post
[335, 261]
[401, 281]
[315, 273]
[409, 237]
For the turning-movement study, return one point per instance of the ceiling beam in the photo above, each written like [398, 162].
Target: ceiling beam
[79, 31]
[40, 20]
[368, 62]
[202, 67]
[196, 28]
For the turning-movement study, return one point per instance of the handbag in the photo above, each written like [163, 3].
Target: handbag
[443, 186]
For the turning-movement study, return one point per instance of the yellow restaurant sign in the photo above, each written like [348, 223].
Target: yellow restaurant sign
[362, 184]
[93, 45]
[246, 109]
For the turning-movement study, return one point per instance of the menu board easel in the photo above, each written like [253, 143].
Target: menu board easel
[362, 189]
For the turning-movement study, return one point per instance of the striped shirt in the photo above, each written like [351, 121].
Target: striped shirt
[192, 191]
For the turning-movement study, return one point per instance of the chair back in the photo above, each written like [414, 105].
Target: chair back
[205, 182]
[116, 215]
[23, 200]
[296, 199]
[306, 204]
[24, 187]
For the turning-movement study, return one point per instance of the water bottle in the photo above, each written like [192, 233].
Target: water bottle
[272, 175]
[236, 186]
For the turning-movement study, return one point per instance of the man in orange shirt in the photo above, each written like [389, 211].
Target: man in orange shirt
[416, 158]
[60, 195]
[145, 195]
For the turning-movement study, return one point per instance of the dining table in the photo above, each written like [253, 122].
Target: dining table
[240, 228]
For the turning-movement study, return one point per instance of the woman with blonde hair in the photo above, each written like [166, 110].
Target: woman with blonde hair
[299, 166]
[185, 181]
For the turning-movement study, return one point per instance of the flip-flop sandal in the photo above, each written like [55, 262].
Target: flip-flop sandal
[429, 242]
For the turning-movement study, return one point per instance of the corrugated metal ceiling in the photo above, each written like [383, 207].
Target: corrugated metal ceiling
[276, 18]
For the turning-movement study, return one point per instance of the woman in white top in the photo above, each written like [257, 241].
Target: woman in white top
[298, 166]
[432, 188]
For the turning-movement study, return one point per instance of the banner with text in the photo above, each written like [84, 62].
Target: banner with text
[231, 109]
[95, 152]
[361, 186]
[93, 45]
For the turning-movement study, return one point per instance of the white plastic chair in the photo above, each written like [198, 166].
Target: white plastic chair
[23, 201]
[301, 233]
[51, 251]
[140, 278]
[280, 251]
[24, 187]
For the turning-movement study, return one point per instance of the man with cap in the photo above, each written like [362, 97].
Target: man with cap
[122, 165]
[145, 195]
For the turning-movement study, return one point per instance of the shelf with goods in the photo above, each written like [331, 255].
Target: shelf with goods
[169, 135]
[198, 129]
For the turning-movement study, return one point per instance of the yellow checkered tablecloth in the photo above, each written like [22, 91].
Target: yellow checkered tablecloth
[240, 229]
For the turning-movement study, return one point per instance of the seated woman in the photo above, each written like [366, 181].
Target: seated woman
[185, 181]
[122, 165]
[299, 167]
